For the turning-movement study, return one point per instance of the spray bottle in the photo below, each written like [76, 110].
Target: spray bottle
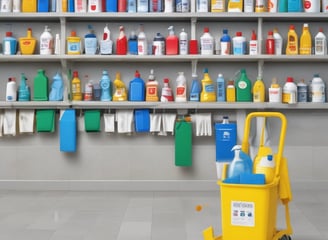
[120, 89]
[181, 88]
[152, 88]
[239, 164]
[172, 43]
[121, 43]
[24, 93]
[57, 86]
[208, 90]
[46, 42]
[105, 85]
[167, 93]
[106, 44]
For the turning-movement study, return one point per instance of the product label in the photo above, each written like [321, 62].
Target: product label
[142, 48]
[242, 84]
[158, 48]
[319, 46]
[243, 213]
[302, 93]
[183, 46]
[76, 88]
[220, 90]
[180, 91]
[239, 48]
[7, 48]
[318, 93]
[275, 95]
[46, 45]
[106, 47]
[225, 48]
[206, 45]
[73, 47]
[253, 48]
[202, 5]
[151, 91]
[209, 88]
[289, 97]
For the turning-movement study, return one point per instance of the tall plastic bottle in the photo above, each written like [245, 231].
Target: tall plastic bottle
[11, 90]
[278, 42]
[40, 86]
[292, 41]
[167, 93]
[259, 90]
[76, 87]
[121, 5]
[302, 91]
[169, 6]
[171, 43]
[9, 44]
[239, 165]
[181, 88]
[111, 5]
[253, 44]
[152, 88]
[106, 44]
[142, 5]
[159, 44]
[275, 92]
[220, 88]
[208, 89]
[195, 90]
[270, 44]
[306, 41]
[57, 87]
[231, 91]
[137, 88]
[235, 5]
[43, 6]
[266, 166]
[121, 43]
[156, 6]
[283, 6]
[202, 5]
[318, 89]
[225, 43]
[183, 42]
[243, 88]
[120, 93]
[239, 44]
[289, 91]
[106, 87]
[24, 92]
[90, 42]
[142, 41]
[312, 6]
[206, 43]
[133, 43]
[320, 43]
[295, 6]
[132, 6]
[46, 42]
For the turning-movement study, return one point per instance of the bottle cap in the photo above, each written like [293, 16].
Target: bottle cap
[166, 80]
[253, 37]
[290, 79]
[292, 27]
[206, 29]
[9, 34]
[270, 33]
[238, 34]
[137, 74]
[75, 74]
[205, 70]
[269, 158]
[225, 31]
[73, 34]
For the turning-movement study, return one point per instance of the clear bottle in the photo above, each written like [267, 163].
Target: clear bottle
[318, 89]
[220, 88]
[225, 43]
[207, 43]
[320, 43]
[306, 41]
[302, 91]
[76, 87]
[142, 41]
[57, 87]
[289, 91]
[24, 93]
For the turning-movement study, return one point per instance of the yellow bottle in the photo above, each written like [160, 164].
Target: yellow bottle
[259, 90]
[120, 91]
[208, 90]
[217, 5]
[292, 41]
[76, 87]
[27, 44]
[231, 91]
[73, 44]
[28, 5]
[306, 41]
[235, 5]
[64, 5]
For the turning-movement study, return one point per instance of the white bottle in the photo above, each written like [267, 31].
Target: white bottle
[318, 89]
[94, 6]
[239, 44]
[169, 6]
[289, 91]
[278, 41]
[11, 91]
[181, 88]
[320, 43]
[272, 6]
[206, 43]
[253, 44]
[275, 92]
[46, 42]
[6, 5]
[324, 7]
[17, 6]
[80, 6]
[142, 41]
[267, 167]
[106, 44]
[202, 6]
[183, 43]
[312, 6]
[248, 5]
[57, 44]
[142, 6]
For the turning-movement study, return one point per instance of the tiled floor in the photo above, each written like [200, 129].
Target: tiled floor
[69, 215]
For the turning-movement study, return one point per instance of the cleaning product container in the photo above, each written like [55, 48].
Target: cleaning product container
[67, 131]
[249, 211]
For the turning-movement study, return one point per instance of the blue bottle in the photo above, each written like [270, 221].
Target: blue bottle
[24, 93]
[225, 42]
[137, 88]
[70, 6]
[195, 89]
[295, 5]
[105, 85]
[57, 86]
[220, 89]
[240, 164]
[283, 6]
[132, 6]
[90, 42]
[43, 5]
[111, 5]
[133, 44]
[9, 44]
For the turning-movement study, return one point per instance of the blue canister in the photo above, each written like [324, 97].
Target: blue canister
[137, 88]
[105, 85]
[43, 5]
[133, 44]
[111, 5]
[9, 44]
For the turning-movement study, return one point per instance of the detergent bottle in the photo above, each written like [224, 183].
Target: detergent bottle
[294, 5]
[225, 42]
[208, 89]
[206, 43]
[105, 85]
[27, 44]
[137, 88]
[259, 90]
[266, 166]
[9, 44]
[120, 93]
[40, 86]
[88, 89]
[152, 88]
[133, 43]
[195, 89]
[24, 93]
[305, 41]
[57, 87]
[320, 43]
[121, 43]
[76, 87]
[11, 91]
[275, 92]
[220, 89]
[289, 91]
[73, 44]
[318, 89]
[46, 42]
[167, 93]
[90, 42]
[302, 91]
[142, 41]
[292, 41]
[231, 91]
[106, 44]
[243, 88]
[181, 88]
[239, 164]
[183, 42]
[171, 43]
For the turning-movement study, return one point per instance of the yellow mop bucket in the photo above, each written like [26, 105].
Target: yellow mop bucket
[249, 211]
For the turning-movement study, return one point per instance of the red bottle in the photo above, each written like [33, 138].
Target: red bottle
[122, 6]
[121, 43]
[269, 44]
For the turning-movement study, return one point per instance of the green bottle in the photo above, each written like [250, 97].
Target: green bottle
[243, 88]
[40, 86]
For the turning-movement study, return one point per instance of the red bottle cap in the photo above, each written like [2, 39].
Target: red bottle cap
[9, 34]
[75, 74]
[166, 80]
[290, 79]
[238, 34]
[206, 29]
[254, 37]
[137, 74]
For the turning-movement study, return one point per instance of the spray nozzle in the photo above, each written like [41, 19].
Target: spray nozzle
[236, 148]
[151, 75]
[171, 30]
[205, 70]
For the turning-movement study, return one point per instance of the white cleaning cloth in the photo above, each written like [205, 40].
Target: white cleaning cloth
[9, 123]
[80, 124]
[168, 122]
[203, 122]
[124, 119]
[1, 122]
[109, 122]
[155, 122]
[26, 121]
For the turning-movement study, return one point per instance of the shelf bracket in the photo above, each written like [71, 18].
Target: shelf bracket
[260, 68]
[193, 28]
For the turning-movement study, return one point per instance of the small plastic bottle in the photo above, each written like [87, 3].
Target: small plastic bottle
[231, 91]
[292, 41]
[243, 88]
[57, 87]
[142, 41]
[142, 5]
[270, 44]
[90, 42]
[225, 43]
[183, 42]
[120, 93]
[73, 44]
[306, 41]
[275, 92]
[106, 44]
[320, 43]
[159, 44]
[46, 42]
[11, 91]
[259, 90]
[253, 45]
[137, 88]
[302, 91]
[88, 89]
[221, 89]
[206, 43]
[208, 89]
[318, 89]
[239, 44]
[9, 44]
[171, 43]
[278, 42]
[167, 93]
[195, 90]
[181, 88]
[152, 88]
[76, 87]
[202, 5]
[24, 93]
[133, 43]
[289, 91]
[105, 85]
[121, 43]
[266, 166]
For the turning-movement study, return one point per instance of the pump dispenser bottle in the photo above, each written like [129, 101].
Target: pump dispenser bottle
[24, 93]
[121, 43]
[46, 42]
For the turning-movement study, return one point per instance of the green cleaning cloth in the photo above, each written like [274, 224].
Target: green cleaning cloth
[45, 120]
[92, 120]
[183, 144]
